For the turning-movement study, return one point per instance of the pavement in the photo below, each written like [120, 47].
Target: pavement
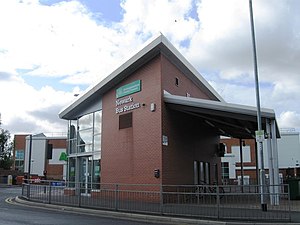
[156, 219]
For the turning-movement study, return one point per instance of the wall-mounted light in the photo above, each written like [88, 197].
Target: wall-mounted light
[152, 107]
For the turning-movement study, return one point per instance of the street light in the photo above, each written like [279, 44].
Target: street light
[259, 125]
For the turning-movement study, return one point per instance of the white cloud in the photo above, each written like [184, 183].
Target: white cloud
[150, 17]
[223, 46]
[224, 39]
[289, 119]
[59, 40]
[64, 41]
[21, 104]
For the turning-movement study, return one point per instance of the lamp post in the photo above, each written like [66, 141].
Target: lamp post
[29, 166]
[262, 180]
[30, 152]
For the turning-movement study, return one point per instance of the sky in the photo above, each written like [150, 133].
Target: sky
[52, 50]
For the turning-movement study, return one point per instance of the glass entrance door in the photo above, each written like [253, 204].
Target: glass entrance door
[85, 173]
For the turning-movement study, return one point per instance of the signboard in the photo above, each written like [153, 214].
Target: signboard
[260, 135]
[128, 89]
[63, 157]
[165, 141]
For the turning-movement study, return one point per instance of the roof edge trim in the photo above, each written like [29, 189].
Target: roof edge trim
[215, 105]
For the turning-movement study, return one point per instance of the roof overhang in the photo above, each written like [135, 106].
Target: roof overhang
[232, 120]
[160, 45]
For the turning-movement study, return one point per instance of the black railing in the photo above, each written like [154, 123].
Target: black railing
[202, 201]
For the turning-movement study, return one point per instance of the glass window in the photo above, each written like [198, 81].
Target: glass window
[72, 163]
[96, 177]
[19, 165]
[72, 142]
[97, 142]
[85, 140]
[72, 146]
[20, 154]
[85, 122]
[85, 136]
[176, 81]
[85, 148]
[225, 170]
[97, 123]
[85, 133]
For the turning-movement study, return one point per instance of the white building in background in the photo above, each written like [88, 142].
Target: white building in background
[289, 152]
[47, 156]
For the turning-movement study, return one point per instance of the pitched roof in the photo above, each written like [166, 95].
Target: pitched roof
[159, 45]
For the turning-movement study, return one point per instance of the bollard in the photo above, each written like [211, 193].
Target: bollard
[9, 180]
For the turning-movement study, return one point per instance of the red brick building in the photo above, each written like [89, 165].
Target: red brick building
[154, 120]
[19, 152]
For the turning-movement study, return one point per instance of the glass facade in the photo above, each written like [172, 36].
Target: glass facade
[84, 150]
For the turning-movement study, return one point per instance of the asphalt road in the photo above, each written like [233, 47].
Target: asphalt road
[16, 214]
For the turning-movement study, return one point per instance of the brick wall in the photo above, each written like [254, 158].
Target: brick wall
[189, 139]
[20, 141]
[185, 85]
[58, 143]
[54, 172]
[130, 155]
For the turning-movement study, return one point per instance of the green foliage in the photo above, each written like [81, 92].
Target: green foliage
[6, 146]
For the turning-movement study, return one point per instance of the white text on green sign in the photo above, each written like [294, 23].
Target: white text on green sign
[128, 89]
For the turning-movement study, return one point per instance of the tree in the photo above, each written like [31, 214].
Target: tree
[5, 149]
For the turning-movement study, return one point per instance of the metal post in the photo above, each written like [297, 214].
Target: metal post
[218, 201]
[29, 160]
[289, 202]
[116, 197]
[271, 163]
[50, 190]
[260, 145]
[242, 164]
[275, 162]
[29, 166]
[161, 200]
[79, 195]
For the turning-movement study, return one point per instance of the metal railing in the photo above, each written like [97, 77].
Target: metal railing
[202, 201]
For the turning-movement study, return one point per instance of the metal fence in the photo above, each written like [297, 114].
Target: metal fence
[202, 201]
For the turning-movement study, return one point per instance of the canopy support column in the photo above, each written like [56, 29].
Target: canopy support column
[270, 160]
[275, 162]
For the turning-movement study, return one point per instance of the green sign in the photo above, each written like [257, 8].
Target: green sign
[128, 89]
[260, 135]
[63, 157]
